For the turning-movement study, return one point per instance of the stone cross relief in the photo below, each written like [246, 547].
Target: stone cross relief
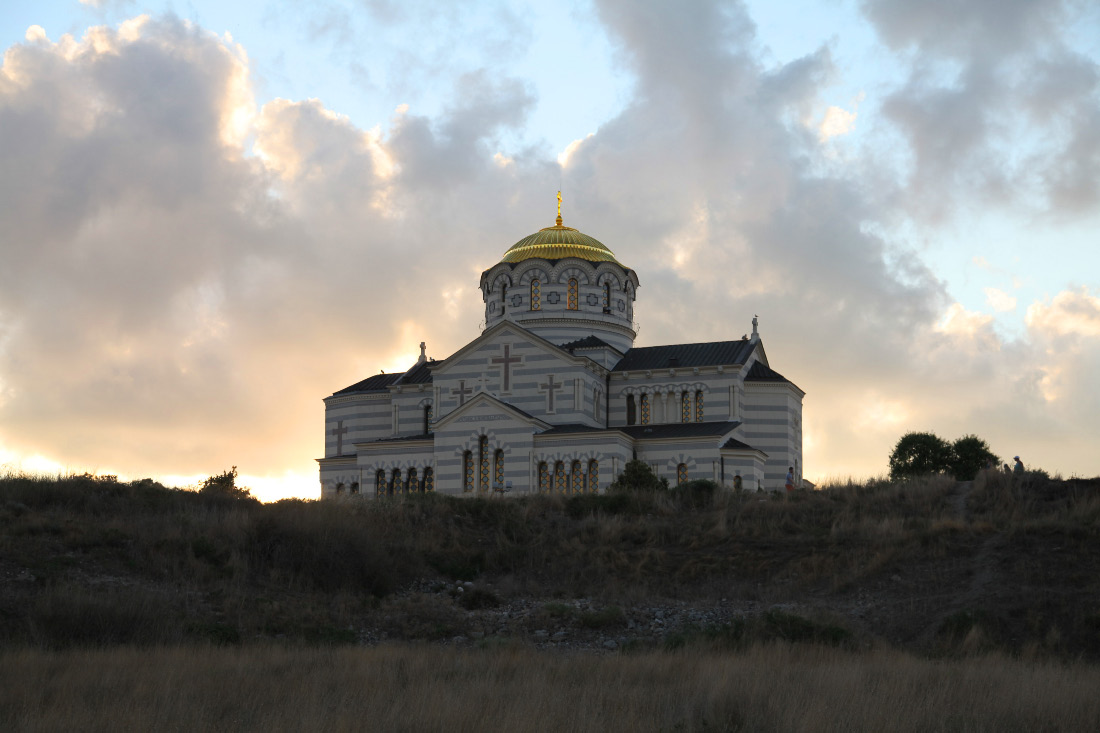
[462, 390]
[339, 431]
[506, 363]
[550, 387]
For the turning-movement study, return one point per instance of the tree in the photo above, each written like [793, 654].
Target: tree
[970, 455]
[918, 454]
[225, 484]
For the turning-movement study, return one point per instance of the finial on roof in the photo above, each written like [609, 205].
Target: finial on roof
[755, 324]
[423, 353]
[559, 208]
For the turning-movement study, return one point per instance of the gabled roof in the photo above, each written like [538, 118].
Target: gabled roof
[515, 330]
[588, 342]
[377, 383]
[419, 374]
[760, 372]
[735, 444]
[674, 356]
[653, 432]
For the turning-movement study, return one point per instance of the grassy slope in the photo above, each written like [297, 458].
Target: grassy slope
[930, 566]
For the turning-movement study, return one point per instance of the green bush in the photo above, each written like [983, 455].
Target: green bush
[919, 454]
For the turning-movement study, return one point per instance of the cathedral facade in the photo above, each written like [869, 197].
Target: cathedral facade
[554, 396]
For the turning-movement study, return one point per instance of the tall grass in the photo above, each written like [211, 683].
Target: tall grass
[766, 688]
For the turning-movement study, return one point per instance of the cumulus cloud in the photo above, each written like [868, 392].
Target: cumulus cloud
[999, 300]
[187, 274]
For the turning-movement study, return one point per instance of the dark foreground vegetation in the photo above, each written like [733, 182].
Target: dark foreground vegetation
[923, 604]
[930, 566]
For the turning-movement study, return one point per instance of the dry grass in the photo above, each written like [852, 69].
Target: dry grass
[516, 689]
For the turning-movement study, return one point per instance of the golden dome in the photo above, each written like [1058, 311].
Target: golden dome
[558, 242]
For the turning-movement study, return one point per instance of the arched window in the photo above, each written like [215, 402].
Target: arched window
[412, 486]
[572, 299]
[429, 480]
[498, 471]
[427, 418]
[681, 473]
[380, 483]
[340, 488]
[596, 403]
[631, 410]
[354, 487]
[395, 481]
[699, 406]
[503, 297]
[594, 476]
[544, 477]
[607, 297]
[577, 478]
[467, 472]
[536, 295]
[645, 409]
[559, 477]
[483, 463]
[685, 407]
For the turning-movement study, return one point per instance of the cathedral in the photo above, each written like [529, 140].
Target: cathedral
[554, 396]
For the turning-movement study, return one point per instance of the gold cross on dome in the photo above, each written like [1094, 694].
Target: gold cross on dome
[559, 208]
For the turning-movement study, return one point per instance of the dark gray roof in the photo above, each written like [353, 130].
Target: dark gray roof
[422, 436]
[686, 355]
[652, 432]
[377, 383]
[588, 342]
[419, 374]
[735, 443]
[760, 372]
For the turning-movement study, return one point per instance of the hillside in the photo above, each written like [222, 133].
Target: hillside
[931, 566]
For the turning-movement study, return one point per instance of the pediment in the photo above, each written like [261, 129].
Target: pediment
[506, 332]
[483, 407]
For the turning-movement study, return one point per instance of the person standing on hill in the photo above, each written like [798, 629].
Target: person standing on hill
[790, 479]
[1018, 469]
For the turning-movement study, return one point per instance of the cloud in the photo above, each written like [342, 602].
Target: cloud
[187, 273]
[838, 121]
[999, 300]
[998, 108]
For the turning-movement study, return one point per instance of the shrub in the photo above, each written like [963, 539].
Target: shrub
[695, 494]
[638, 476]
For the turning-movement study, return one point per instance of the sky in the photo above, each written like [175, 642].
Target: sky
[213, 215]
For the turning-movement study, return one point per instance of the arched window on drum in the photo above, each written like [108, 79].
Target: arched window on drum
[536, 295]
[573, 296]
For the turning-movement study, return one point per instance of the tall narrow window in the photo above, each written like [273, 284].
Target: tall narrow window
[395, 481]
[607, 297]
[577, 478]
[596, 403]
[503, 297]
[572, 299]
[498, 470]
[681, 474]
[559, 477]
[645, 409]
[699, 406]
[354, 487]
[429, 480]
[631, 410]
[685, 407]
[427, 418]
[544, 477]
[467, 472]
[594, 476]
[412, 486]
[536, 295]
[483, 461]
[380, 483]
